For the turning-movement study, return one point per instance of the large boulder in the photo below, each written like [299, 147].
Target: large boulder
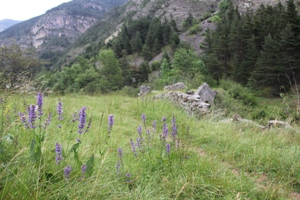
[206, 94]
[176, 86]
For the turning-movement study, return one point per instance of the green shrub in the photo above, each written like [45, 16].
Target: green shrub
[195, 29]
[155, 65]
[130, 91]
[259, 114]
[239, 92]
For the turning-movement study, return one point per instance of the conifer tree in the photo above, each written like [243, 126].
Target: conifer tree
[269, 70]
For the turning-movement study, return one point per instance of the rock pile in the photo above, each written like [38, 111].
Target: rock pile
[144, 90]
[192, 103]
[176, 86]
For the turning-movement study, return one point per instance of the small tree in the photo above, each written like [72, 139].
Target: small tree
[111, 73]
[17, 65]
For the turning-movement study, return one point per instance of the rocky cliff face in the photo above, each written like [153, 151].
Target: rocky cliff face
[59, 27]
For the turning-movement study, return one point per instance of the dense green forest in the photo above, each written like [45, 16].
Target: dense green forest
[259, 48]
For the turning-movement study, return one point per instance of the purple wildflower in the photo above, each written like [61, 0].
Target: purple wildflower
[110, 121]
[174, 128]
[118, 166]
[168, 148]
[47, 122]
[120, 152]
[128, 175]
[58, 151]
[139, 129]
[133, 147]
[83, 169]
[59, 110]
[67, 171]
[39, 104]
[144, 119]
[23, 119]
[138, 143]
[166, 132]
[74, 117]
[82, 120]
[154, 125]
[31, 116]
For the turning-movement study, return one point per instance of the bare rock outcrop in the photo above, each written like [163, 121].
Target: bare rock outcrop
[176, 86]
[206, 94]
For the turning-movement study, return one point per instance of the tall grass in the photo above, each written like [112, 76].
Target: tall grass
[205, 160]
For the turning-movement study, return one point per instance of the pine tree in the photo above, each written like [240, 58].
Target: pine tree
[137, 43]
[249, 62]
[269, 70]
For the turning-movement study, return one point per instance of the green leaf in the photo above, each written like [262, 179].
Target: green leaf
[90, 166]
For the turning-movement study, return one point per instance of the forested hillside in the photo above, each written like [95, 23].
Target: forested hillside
[259, 48]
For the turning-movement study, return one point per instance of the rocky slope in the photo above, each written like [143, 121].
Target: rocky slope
[6, 23]
[179, 10]
[59, 27]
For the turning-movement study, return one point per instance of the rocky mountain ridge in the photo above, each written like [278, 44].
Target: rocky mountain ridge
[6, 23]
[58, 27]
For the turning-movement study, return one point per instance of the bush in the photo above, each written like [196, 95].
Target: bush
[259, 114]
[195, 29]
[155, 65]
[239, 92]
[130, 91]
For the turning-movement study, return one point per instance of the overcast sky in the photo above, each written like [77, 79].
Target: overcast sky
[26, 9]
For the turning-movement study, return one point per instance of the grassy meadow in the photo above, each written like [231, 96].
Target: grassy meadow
[182, 157]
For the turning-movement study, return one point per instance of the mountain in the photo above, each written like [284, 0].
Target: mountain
[6, 23]
[54, 31]
[177, 10]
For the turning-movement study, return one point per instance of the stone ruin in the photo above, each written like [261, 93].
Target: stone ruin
[197, 103]
[144, 89]
[176, 86]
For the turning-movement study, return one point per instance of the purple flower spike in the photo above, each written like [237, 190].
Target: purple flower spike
[110, 122]
[154, 125]
[58, 151]
[168, 148]
[120, 152]
[47, 122]
[166, 132]
[133, 147]
[67, 171]
[23, 119]
[174, 128]
[82, 120]
[31, 116]
[139, 129]
[144, 119]
[39, 104]
[74, 117]
[59, 110]
[118, 166]
[138, 143]
[83, 169]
